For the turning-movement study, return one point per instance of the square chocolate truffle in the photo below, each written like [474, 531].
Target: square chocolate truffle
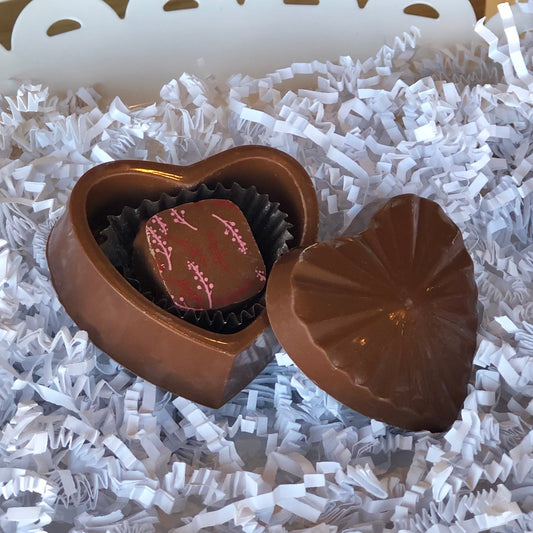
[202, 255]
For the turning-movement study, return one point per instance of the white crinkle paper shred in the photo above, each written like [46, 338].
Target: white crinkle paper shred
[85, 446]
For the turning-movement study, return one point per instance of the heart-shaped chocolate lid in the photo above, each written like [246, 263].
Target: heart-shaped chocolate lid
[183, 358]
[386, 321]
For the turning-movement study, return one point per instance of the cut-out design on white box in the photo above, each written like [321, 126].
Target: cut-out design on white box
[422, 10]
[67, 43]
[62, 26]
[176, 5]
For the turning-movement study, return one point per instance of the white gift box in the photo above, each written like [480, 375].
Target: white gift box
[134, 55]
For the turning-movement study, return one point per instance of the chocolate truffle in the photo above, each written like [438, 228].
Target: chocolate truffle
[203, 255]
[385, 321]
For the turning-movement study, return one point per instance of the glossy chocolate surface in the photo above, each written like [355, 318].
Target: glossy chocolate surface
[203, 366]
[203, 255]
[386, 321]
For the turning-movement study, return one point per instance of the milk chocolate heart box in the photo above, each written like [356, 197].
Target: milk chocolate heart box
[385, 321]
[202, 365]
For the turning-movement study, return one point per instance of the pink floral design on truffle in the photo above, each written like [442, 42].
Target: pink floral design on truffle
[184, 290]
[203, 281]
[260, 274]
[158, 245]
[179, 218]
[162, 226]
[181, 303]
[233, 231]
